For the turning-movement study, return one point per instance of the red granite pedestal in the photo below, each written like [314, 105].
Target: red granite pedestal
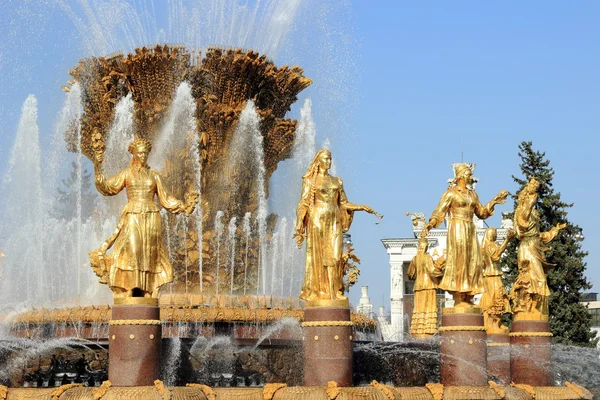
[134, 342]
[463, 347]
[531, 352]
[498, 357]
[327, 346]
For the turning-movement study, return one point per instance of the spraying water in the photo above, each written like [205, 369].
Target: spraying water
[120, 135]
[231, 236]
[219, 231]
[247, 232]
[24, 212]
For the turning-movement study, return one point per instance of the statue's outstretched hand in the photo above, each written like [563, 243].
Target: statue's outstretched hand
[501, 197]
[299, 236]
[191, 199]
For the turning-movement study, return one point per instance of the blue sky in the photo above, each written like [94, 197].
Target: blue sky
[401, 89]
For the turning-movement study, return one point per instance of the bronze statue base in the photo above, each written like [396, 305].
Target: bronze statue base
[327, 346]
[498, 357]
[531, 352]
[134, 345]
[463, 349]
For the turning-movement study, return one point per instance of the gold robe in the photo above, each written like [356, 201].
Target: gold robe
[326, 219]
[463, 259]
[495, 299]
[424, 320]
[139, 258]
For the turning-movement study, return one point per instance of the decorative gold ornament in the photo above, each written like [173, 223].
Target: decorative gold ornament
[426, 273]
[207, 390]
[527, 388]
[461, 328]
[500, 390]
[327, 323]
[462, 275]
[332, 390]
[164, 393]
[55, 395]
[138, 301]
[530, 290]
[494, 301]
[530, 334]
[436, 390]
[578, 390]
[387, 392]
[270, 389]
[120, 322]
[322, 216]
[101, 390]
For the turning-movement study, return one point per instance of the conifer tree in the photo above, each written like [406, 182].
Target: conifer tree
[569, 319]
[65, 206]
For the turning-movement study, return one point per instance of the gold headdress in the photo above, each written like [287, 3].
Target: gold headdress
[140, 144]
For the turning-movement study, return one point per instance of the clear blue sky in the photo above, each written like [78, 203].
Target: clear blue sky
[401, 89]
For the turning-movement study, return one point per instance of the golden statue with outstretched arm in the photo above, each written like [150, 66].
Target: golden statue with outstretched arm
[530, 291]
[494, 302]
[323, 215]
[138, 264]
[463, 273]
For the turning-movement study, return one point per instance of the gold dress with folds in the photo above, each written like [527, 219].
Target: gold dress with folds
[139, 258]
[326, 220]
[494, 301]
[424, 320]
[532, 264]
[464, 266]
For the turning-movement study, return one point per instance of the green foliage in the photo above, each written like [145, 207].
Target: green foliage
[65, 204]
[570, 321]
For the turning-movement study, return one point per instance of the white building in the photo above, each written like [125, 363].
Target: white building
[593, 304]
[364, 303]
[402, 250]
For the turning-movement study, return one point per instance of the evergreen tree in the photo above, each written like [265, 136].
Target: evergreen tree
[569, 320]
[65, 206]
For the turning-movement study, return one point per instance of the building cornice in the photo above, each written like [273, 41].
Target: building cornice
[394, 243]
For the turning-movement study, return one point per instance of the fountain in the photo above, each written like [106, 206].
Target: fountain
[231, 317]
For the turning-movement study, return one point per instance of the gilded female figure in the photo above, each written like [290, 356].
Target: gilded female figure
[426, 273]
[530, 291]
[463, 274]
[494, 302]
[323, 215]
[139, 263]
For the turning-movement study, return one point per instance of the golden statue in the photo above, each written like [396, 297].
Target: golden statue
[494, 302]
[323, 215]
[426, 273]
[139, 264]
[530, 291]
[463, 274]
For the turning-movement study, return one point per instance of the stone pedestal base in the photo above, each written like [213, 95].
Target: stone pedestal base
[463, 348]
[531, 353]
[327, 346]
[134, 345]
[498, 357]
